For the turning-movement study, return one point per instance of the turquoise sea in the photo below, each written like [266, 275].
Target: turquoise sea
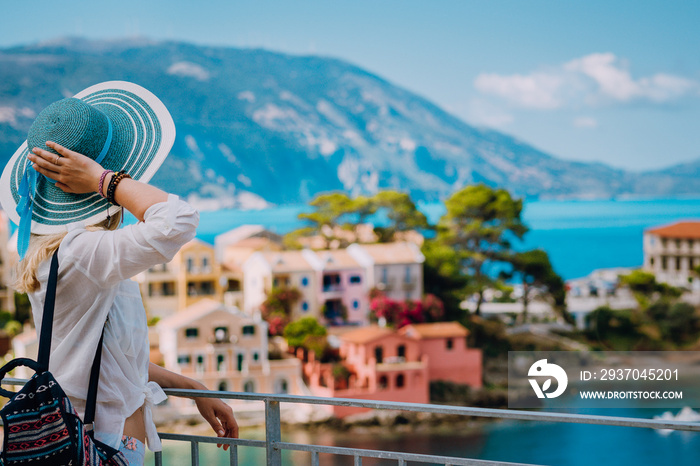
[580, 236]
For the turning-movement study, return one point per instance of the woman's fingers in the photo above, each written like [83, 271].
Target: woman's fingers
[60, 149]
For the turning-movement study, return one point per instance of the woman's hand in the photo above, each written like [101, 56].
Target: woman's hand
[219, 415]
[73, 172]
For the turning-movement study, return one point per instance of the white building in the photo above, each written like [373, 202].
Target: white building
[394, 268]
[671, 252]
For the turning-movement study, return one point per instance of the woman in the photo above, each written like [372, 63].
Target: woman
[107, 130]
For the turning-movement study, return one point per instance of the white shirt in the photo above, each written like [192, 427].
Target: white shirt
[93, 283]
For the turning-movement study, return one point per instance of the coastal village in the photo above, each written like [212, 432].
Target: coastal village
[208, 320]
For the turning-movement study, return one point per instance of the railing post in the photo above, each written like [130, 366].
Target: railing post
[273, 433]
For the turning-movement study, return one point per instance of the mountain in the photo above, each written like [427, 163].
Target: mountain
[257, 127]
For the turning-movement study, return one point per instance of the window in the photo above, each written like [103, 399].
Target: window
[383, 382]
[207, 288]
[249, 386]
[168, 289]
[401, 351]
[355, 279]
[256, 356]
[678, 263]
[449, 344]
[379, 354]
[151, 288]
[304, 281]
[184, 359]
[220, 366]
[355, 304]
[190, 264]
[400, 381]
[385, 275]
[248, 330]
[664, 262]
[407, 277]
[239, 362]
[304, 306]
[191, 332]
[281, 386]
[223, 386]
[205, 263]
[678, 244]
[200, 364]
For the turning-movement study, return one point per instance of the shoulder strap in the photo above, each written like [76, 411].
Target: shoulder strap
[45, 343]
[47, 319]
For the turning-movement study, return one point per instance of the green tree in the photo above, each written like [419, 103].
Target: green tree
[443, 277]
[329, 210]
[645, 287]
[537, 274]
[401, 213]
[296, 332]
[478, 226]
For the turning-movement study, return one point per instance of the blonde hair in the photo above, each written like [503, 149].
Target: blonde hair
[41, 247]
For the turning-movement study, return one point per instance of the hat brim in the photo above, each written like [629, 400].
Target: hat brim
[143, 134]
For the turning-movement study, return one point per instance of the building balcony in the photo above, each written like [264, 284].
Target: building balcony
[399, 366]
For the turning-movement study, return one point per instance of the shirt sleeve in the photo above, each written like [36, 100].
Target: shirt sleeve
[107, 257]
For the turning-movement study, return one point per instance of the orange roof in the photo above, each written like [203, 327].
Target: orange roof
[435, 330]
[684, 230]
[366, 334]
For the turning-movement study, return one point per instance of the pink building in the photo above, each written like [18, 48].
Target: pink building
[342, 293]
[445, 345]
[379, 363]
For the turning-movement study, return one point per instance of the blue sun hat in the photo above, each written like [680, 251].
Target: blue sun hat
[120, 125]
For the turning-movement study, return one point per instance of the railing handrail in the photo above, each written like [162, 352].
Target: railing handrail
[274, 445]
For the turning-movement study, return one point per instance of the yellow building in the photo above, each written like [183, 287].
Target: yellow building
[193, 274]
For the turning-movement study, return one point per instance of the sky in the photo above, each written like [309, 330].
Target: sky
[616, 82]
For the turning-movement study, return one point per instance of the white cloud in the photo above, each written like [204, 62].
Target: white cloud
[595, 79]
[538, 90]
[189, 70]
[246, 95]
[585, 122]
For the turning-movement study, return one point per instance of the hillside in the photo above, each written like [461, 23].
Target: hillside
[257, 127]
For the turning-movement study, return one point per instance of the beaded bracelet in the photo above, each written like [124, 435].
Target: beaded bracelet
[102, 183]
[112, 187]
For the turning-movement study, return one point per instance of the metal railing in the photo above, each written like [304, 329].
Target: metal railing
[273, 444]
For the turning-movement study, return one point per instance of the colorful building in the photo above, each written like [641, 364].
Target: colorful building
[671, 252]
[193, 274]
[226, 350]
[233, 248]
[343, 292]
[394, 268]
[379, 363]
[445, 345]
[265, 271]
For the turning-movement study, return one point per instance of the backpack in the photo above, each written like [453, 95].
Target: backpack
[41, 426]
